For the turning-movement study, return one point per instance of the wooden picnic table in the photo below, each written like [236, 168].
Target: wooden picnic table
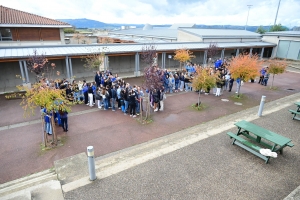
[296, 112]
[261, 136]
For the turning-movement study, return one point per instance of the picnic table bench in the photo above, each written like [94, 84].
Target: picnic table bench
[296, 112]
[262, 137]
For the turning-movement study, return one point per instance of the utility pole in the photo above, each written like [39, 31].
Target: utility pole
[249, 6]
[277, 13]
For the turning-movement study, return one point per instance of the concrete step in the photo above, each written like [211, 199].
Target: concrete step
[50, 190]
[31, 176]
[27, 182]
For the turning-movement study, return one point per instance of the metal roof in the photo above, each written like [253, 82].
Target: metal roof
[72, 50]
[182, 25]
[284, 33]
[155, 32]
[221, 33]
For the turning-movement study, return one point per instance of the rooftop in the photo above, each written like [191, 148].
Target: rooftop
[111, 49]
[155, 32]
[15, 18]
[224, 33]
[284, 33]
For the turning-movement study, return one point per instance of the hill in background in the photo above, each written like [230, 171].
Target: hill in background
[88, 23]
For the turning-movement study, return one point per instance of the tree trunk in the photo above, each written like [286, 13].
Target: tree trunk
[199, 99]
[54, 136]
[141, 110]
[239, 88]
[272, 80]
[45, 139]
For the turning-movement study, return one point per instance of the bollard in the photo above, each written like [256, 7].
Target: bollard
[91, 161]
[261, 106]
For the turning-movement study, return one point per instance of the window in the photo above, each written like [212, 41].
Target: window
[5, 34]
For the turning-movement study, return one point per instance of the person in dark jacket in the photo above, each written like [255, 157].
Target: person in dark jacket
[155, 97]
[98, 78]
[231, 80]
[113, 97]
[90, 94]
[64, 119]
[131, 99]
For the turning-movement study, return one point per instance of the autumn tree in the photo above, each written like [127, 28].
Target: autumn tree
[152, 74]
[203, 80]
[43, 93]
[183, 55]
[245, 67]
[212, 51]
[95, 59]
[78, 37]
[277, 67]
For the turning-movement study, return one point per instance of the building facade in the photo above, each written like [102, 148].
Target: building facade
[28, 33]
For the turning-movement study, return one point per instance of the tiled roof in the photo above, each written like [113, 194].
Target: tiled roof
[11, 16]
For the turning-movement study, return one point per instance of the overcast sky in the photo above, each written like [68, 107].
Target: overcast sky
[209, 12]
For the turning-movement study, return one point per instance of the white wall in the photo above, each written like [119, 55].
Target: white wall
[275, 40]
[232, 40]
[187, 37]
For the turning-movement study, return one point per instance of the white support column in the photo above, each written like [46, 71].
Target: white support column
[67, 67]
[163, 60]
[71, 68]
[137, 65]
[26, 71]
[237, 52]
[22, 71]
[250, 53]
[106, 62]
[262, 52]
[205, 58]
[222, 54]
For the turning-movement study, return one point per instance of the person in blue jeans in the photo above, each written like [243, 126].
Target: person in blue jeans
[126, 99]
[47, 118]
[113, 97]
[139, 100]
[64, 120]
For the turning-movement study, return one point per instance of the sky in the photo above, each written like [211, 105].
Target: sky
[208, 12]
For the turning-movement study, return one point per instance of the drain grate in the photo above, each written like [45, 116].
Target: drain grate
[290, 89]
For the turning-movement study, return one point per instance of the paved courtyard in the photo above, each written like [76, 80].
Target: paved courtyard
[111, 131]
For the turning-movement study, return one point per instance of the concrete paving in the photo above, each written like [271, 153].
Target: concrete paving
[208, 167]
[116, 131]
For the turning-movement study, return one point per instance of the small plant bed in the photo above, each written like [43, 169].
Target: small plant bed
[272, 88]
[144, 120]
[239, 97]
[199, 108]
[51, 145]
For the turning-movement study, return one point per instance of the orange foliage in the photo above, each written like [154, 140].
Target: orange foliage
[245, 67]
[183, 55]
[204, 79]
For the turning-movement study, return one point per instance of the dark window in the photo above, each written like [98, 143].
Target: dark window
[5, 34]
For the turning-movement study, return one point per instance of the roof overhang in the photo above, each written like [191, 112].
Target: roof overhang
[23, 52]
[283, 35]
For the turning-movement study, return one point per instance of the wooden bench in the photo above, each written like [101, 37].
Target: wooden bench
[295, 114]
[263, 137]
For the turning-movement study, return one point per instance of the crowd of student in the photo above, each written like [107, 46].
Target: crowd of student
[109, 91]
